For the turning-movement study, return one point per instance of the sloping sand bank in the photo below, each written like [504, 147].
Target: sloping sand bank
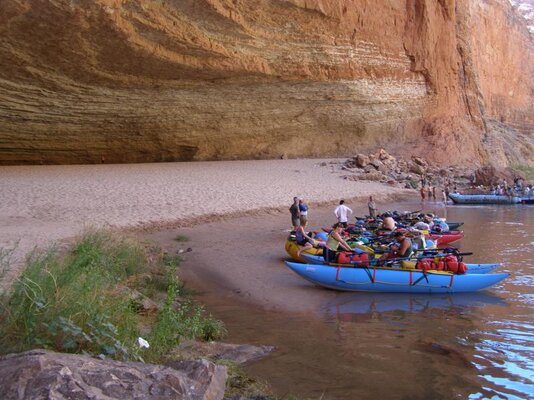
[43, 204]
[242, 259]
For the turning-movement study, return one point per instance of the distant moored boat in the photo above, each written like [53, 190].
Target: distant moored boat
[458, 198]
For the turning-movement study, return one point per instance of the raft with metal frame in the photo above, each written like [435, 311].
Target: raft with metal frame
[471, 268]
[385, 279]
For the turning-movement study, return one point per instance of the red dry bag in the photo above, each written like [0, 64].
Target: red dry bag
[451, 264]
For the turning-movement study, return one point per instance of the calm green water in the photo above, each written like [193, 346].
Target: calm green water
[398, 346]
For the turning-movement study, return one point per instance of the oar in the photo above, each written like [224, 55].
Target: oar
[436, 252]
[456, 253]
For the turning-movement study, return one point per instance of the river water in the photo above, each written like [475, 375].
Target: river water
[400, 346]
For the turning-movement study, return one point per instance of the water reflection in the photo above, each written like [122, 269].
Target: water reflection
[354, 306]
[504, 350]
[372, 345]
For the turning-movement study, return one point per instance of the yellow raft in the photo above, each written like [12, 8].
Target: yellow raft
[292, 248]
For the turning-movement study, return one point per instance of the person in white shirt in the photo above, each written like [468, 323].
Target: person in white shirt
[342, 213]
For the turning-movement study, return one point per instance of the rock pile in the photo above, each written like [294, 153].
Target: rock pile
[383, 167]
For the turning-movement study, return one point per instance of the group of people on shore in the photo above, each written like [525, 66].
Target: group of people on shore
[299, 220]
[334, 240]
[428, 191]
[299, 212]
[519, 188]
[503, 188]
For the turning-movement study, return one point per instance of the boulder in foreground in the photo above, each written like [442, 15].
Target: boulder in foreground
[41, 374]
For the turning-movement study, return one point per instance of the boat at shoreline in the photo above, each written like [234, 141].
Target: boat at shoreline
[453, 226]
[458, 198]
[292, 248]
[444, 238]
[471, 268]
[380, 279]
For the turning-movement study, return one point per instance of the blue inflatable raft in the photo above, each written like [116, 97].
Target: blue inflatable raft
[471, 268]
[458, 198]
[375, 279]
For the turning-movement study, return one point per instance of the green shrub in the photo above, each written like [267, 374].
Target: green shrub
[70, 304]
[80, 302]
[179, 319]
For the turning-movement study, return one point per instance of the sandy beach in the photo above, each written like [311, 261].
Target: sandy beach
[40, 205]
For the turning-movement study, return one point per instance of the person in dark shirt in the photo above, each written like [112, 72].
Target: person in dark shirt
[302, 238]
[404, 248]
[295, 213]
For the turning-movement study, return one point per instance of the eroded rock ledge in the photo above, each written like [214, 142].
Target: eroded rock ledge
[101, 81]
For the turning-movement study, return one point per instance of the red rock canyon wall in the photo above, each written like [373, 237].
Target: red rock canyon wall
[90, 81]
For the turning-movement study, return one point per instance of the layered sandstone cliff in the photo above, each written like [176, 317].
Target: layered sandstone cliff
[90, 81]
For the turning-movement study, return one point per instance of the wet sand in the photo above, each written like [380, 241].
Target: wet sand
[242, 259]
[40, 205]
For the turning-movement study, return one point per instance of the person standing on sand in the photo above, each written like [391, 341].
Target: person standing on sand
[295, 213]
[342, 213]
[423, 193]
[303, 208]
[444, 195]
[372, 207]
[434, 193]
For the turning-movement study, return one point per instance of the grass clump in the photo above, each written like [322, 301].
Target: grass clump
[69, 304]
[181, 238]
[180, 319]
[240, 385]
[82, 303]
